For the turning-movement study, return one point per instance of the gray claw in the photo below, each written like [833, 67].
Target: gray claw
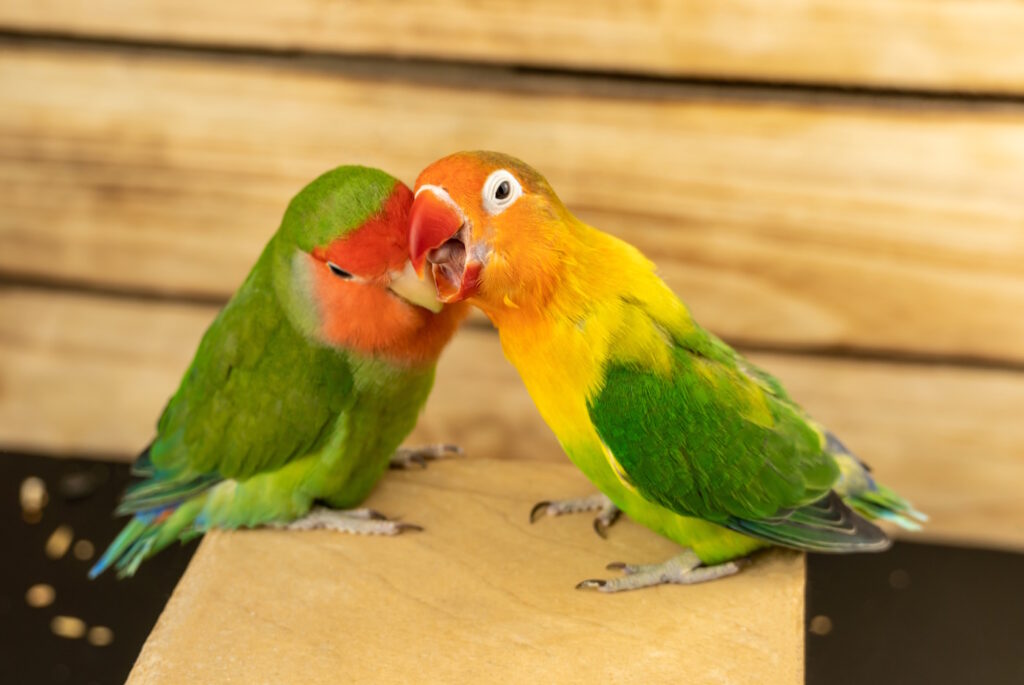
[606, 520]
[592, 584]
[608, 512]
[538, 510]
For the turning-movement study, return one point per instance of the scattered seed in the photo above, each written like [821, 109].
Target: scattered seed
[821, 625]
[40, 595]
[33, 496]
[59, 542]
[100, 636]
[77, 484]
[899, 579]
[67, 626]
[83, 550]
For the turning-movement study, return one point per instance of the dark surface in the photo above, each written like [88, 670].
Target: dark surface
[917, 614]
[82, 495]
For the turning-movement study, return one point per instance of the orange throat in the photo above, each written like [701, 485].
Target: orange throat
[370, 320]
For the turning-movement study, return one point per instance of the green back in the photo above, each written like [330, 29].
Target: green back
[257, 394]
[719, 439]
[692, 441]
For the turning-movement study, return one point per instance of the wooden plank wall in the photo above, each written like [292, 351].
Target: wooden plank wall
[835, 187]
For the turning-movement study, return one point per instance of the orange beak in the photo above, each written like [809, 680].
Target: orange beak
[438, 234]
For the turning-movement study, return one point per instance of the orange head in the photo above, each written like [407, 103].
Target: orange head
[341, 269]
[490, 227]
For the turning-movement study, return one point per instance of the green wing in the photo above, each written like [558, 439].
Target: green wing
[256, 396]
[719, 439]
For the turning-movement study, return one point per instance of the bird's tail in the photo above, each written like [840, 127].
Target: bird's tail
[866, 496]
[148, 532]
[883, 503]
[164, 506]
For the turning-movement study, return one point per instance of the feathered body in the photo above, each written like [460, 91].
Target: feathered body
[305, 383]
[675, 427]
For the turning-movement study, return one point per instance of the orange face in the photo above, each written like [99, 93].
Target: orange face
[367, 297]
[487, 224]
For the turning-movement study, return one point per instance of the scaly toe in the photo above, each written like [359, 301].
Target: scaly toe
[405, 457]
[684, 569]
[363, 514]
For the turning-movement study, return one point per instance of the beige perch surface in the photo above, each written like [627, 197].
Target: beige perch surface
[480, 596]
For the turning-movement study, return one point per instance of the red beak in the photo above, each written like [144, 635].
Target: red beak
[435, 226]
[432, 221]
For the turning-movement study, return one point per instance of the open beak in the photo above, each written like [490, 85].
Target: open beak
[440, 235]
[410, 286]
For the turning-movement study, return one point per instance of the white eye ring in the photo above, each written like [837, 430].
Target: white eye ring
[501, 189]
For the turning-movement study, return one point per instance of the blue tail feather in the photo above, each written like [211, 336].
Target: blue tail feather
[134, 543]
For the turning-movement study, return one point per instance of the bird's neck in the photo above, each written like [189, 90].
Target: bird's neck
[586, 268]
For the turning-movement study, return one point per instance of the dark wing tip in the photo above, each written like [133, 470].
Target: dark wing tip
[827, 525]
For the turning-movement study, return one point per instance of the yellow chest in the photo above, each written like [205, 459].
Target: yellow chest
[562, 360]
[560, 370]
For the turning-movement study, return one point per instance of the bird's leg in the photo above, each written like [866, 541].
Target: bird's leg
[685, 569]
[405, 457]
[608, 512]
[357, 521]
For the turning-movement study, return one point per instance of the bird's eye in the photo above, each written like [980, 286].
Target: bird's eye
[501, 189]
[338, 271]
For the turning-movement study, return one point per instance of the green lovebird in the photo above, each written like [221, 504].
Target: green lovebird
[673, 426]
[304, 385]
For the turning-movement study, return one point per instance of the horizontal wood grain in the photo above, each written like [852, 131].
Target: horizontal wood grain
[479, 596]
[84, 374]
[970, 45]
[809, 223]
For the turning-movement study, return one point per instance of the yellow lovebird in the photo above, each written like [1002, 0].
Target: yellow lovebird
[672, 425]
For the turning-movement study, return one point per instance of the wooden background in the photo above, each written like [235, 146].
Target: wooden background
[837, 188]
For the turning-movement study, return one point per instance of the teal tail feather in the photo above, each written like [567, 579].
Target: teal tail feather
[865, 495]
[882, 503]
[130, 547]
[164, 507]
[147, 533]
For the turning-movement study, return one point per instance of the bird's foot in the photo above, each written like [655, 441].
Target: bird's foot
[405, 457]
[609, 513]
[357, 521]
[685, 569]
